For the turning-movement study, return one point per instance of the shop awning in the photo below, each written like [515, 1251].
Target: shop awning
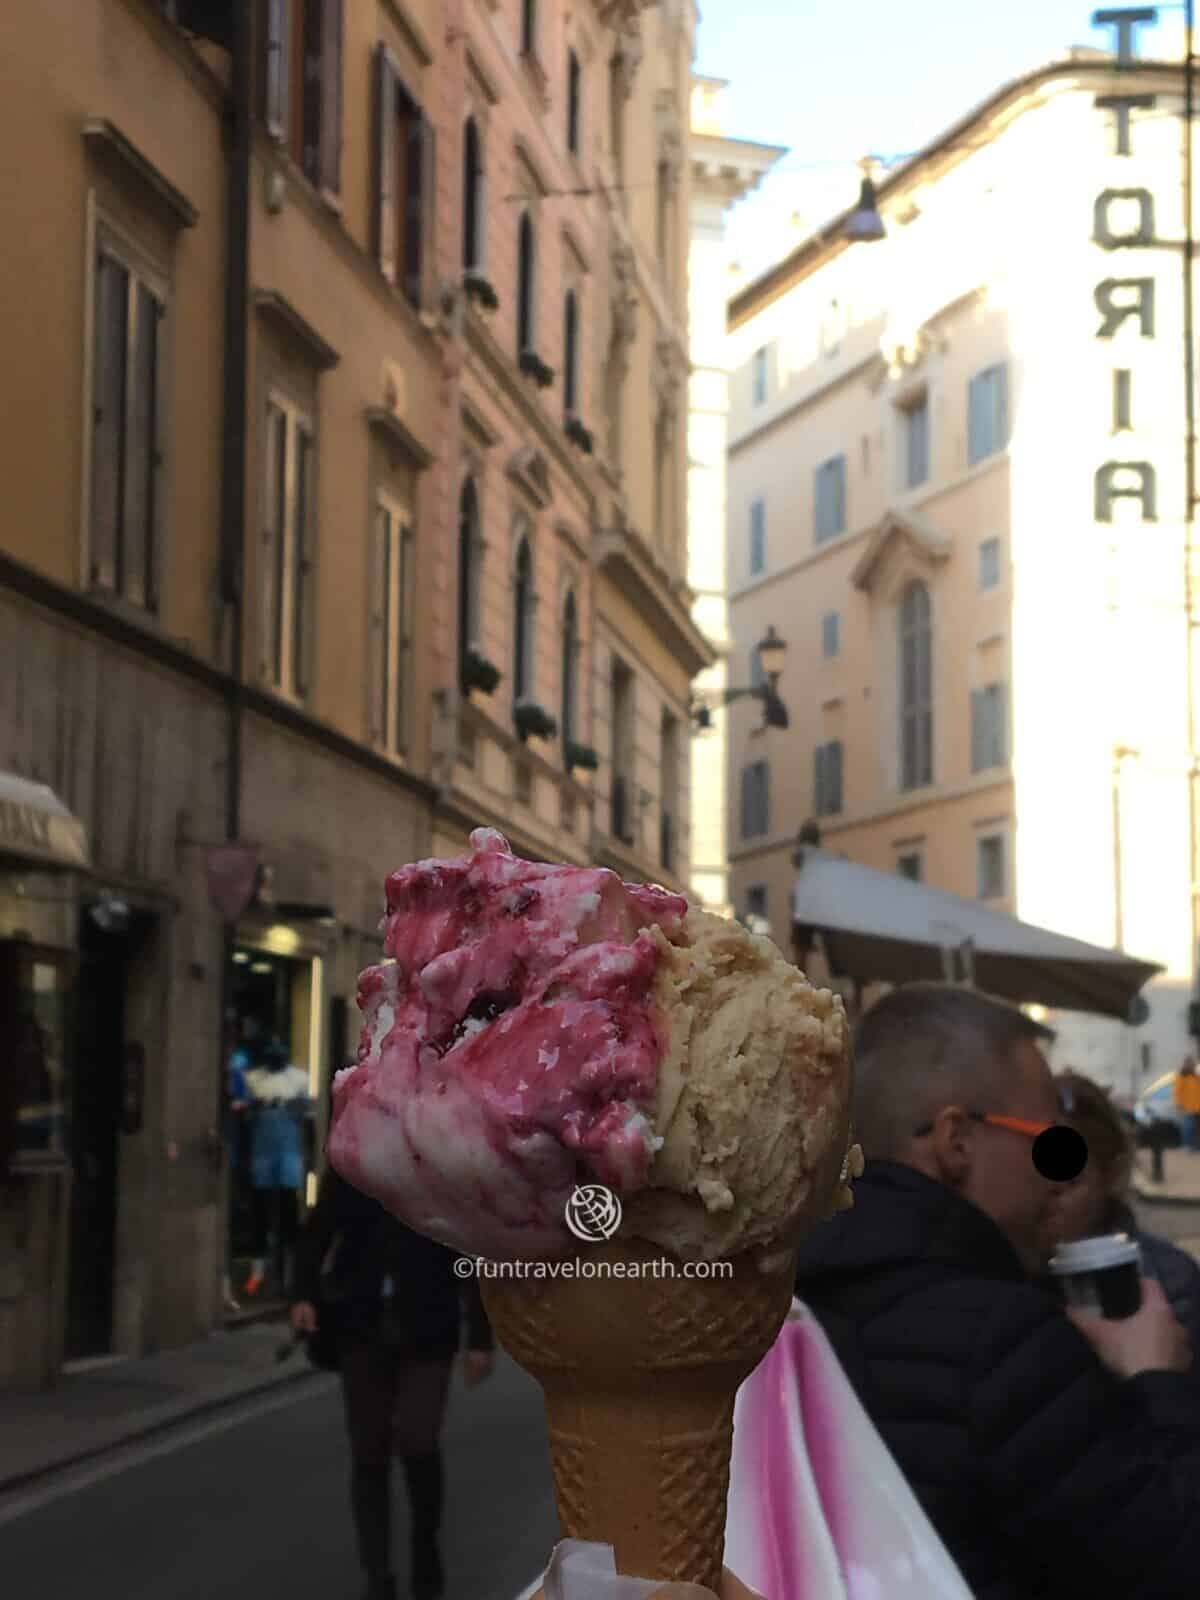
[879, 927]
[36, 826]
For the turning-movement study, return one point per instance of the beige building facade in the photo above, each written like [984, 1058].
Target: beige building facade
[230, 581]
[956, 488]
[724, 170]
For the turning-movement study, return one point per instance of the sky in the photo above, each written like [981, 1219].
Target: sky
[835, 81]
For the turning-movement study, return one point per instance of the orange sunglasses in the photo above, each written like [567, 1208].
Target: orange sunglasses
[1031, 1130]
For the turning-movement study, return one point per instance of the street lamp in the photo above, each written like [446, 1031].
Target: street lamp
[864, 225]
[771, 652]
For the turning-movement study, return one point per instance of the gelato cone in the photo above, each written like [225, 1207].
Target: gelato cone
[538, 1029]
[639, 1373]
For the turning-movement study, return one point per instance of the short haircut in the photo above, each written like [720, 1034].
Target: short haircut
[929, 1045]
[1093, 1115]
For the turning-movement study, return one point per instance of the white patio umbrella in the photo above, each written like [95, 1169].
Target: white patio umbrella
[879, 927]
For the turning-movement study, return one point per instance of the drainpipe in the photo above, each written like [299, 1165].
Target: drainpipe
[239, 143]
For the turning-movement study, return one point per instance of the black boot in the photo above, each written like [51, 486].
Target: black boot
[423, 1474]
[370, 1494]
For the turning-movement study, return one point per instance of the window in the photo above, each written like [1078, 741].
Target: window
[989, 563]
[128, 438]
[404, 185]
[758, 537]
[757, 676]
[668, 767]
[991, 866]
[570, 671]
[391, 625]
[526, 285]
[300, 80]
[916, 688]
[523, 601]
[574, 101]
[616, 119]
[756, 901]
[989, 730]
[570, 355]
[916, 442]
[663, 218]
[831, 634]
[288, 543]
[622, 716]
[759, 376]
[469, 559]
[910, 865]
[827, 779]
[529, 22]
[756, 808]
[662, 479]
[829, 518]
[474, 202]
[987, 413]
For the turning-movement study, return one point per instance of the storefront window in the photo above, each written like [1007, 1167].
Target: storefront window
[270, 1106]
[34, 1100]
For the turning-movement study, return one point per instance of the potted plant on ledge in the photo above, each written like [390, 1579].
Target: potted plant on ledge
[533, 720]
[578, 434]
[477, 672]
[581, 756]
[534, 367]
[478, 288]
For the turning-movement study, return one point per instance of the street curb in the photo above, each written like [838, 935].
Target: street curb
[1152, 1197]
[166, 1420]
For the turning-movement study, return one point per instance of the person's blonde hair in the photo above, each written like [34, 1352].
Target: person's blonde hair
[1093, 1115]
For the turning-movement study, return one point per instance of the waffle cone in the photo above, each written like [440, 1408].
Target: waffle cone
[639, 1375]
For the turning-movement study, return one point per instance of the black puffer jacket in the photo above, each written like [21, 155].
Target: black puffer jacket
[1047, 1477]
[361, 1246]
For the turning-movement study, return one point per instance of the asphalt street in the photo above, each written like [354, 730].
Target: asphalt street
[254, 1503]
[1177, 1223]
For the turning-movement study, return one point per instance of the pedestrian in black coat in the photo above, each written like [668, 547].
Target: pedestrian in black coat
[1098, 1201]
[396, 1307]
[1057, 1455]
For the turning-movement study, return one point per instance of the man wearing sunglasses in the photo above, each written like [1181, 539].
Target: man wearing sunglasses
[1057, 1455]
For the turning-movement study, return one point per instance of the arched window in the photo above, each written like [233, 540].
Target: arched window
[523, 623]
[468, 571]
[474, 210]
[916, 688]
[526, 285]
[570, 671]
[571, 354]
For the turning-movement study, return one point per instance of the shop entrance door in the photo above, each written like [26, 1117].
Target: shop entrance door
[99, 1040]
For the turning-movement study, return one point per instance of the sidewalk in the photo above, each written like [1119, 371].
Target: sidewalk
[91, 1412]
[1181, 1171]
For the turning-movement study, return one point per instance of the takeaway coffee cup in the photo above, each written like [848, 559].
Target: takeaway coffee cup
[1102, 1274]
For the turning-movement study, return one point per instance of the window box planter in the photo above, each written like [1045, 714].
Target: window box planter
[476, 287]
[534, 367]
[477, 672]
[581, 756]
[533, 721]
[579, 435]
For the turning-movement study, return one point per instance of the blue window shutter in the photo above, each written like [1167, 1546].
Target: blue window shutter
[973, 409]
[839, 478]
[1001, 382]
[835, 781]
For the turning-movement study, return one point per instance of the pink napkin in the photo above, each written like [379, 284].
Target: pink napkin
[818, 1508]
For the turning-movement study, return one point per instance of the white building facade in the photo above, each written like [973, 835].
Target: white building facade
[976, 429]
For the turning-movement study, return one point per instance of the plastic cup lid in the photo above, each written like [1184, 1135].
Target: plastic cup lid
[1094, 1255]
